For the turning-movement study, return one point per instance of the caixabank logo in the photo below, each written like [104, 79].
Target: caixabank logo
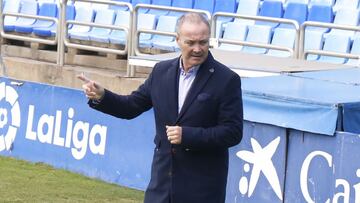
[9, 116]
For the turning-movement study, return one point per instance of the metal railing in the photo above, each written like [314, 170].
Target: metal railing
[68, 43]
[293, 51]
[135, 51]
[303, 53]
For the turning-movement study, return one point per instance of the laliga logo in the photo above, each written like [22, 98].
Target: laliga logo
[261, 160]
[10, 95]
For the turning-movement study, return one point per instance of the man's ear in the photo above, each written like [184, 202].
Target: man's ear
[177, 39]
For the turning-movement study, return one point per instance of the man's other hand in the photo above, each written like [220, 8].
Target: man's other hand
[91, 89]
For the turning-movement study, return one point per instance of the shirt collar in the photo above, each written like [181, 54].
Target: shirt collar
[192, 70]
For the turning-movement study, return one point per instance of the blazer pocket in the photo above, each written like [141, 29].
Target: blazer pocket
[203, 97]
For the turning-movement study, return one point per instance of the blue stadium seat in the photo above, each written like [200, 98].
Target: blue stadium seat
[207, 5]
[321, 2]
[320, 13]
[136, 2]
[83, 14]
[104, 17]
[118, 36]
[145, 21]
[26, 7]
[234, 31]
[337, 43]
[107, 18]
[181, 4]
[223, 6]
[10, 6]
[247, 7]
[313, 40]
[349, 4]
[162, 42]
[270, 8]
[355, 49]
[51, 31]
[282, 37]
[345, 17]
[121, 8]
[295, 11]
[165, 23]
[46, 9]
[258, 34]
[157, 12]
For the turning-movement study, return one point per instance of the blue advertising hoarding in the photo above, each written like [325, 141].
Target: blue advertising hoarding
[292, 150]
[43, 123]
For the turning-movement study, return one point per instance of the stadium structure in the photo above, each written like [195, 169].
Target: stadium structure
[298, 60]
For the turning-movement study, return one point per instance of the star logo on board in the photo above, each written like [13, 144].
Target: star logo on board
[260, 158]
[10, 96]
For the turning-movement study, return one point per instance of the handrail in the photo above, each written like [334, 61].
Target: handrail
[93, 48]
[303, 53]
[136, 32]
[29, 38]
[67, 43]
[293, 51]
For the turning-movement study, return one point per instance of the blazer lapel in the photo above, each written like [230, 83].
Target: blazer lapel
[204, 73]
[172, 89]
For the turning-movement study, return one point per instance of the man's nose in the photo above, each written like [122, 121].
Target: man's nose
[197, 48]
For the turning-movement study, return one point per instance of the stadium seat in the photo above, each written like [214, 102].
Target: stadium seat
[104, 17]
[46, 9]
[296, 1]
[258, 34]
[121, 8]
[51, 31]
[341, 4]
[141, 10]
[295, 11]
[270, 8]
[145, 21]
[336, 43]
[82, 15]
[345, 17]
[117, 36]
[207, 5]
[162, 42]
[355, 49]
[223, 6]
[320, 13]
[247, 7]
[11, 6]
[234, 31]
[313, 40]
[282, 37]
[165, 23]
[181, 4]
[26, 7]
[322, 3]
[157, 12]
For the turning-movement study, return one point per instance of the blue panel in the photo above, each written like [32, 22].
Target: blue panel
[263, 147]
[347, 76]
[289, 100]
[39, 118]
[322, 168]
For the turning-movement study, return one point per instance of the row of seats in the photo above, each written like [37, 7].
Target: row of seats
[238, 29]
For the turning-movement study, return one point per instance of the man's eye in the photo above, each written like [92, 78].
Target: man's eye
[189, 43]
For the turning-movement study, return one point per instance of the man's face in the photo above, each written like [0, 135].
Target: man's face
[193, 40]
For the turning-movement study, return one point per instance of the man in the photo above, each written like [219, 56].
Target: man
[198, 113]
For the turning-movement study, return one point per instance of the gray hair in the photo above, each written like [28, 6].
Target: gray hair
[192, 17]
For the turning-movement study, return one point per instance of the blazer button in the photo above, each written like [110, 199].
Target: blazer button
[170, 174]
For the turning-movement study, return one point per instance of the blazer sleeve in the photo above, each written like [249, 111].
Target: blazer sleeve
[228, 131]
[126, 106]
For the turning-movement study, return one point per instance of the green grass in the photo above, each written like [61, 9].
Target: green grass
[22, 181]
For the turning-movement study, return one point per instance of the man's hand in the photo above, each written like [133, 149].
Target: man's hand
[174, 134]
[91, 89]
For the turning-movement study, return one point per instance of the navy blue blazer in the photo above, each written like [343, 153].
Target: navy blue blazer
[211, 119]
